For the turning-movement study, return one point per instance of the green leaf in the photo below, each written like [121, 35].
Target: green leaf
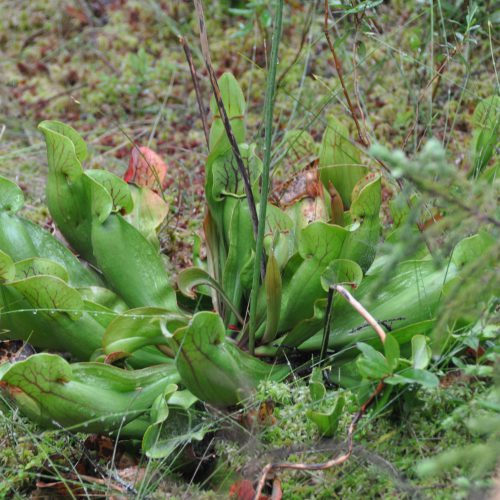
[328, 420]
[372, 363]
[341, 272]
[50, 294]
[277, 222]
[101, 202]
[317, 389]
[234, 103]
[48, 247]
[7, 267]
[414, 376]
[278, 234]
[14, 239]
[11, 196]
[147, 356]
[227, 179]
[306, 211]
[139, 327]
[272, 285]
[103, 297]
[240, 242]
[90, 397]
[301, 148]
[216, 251]
[193, 277]
[339, 160]
[173, 434]
[391, 351]
[130, 265]
[159, 409]
[38, 266]
[117, 188]
[469, 249]
[68, 196]
[182, 399]
[420, 352]
[319, 245]
[55, 127]
[213, 368]
[148, 213]
[364, 232]
[411, 296]
[49, 313]
[307, 327]
[486, 123]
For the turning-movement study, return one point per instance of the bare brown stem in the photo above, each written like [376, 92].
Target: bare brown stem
[361, 310]
[357, 21]
[225, 119]
[338, 66]
[194, 78]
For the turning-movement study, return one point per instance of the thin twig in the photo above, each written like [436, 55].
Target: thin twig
[338, 66]
[361, 310]
[102, 482]
[357, 306]
[197, 90]
[225, 119]
[44, 102]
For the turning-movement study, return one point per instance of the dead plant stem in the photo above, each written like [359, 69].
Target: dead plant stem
[194, 78]
[225, 120]
[338, 67]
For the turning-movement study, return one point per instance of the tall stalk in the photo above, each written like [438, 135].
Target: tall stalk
[268, 124]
